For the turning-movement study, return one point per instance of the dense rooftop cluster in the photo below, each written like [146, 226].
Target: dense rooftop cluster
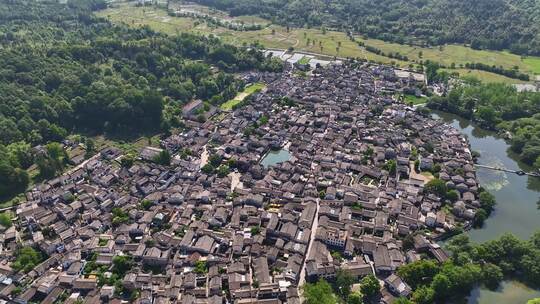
[215, 224]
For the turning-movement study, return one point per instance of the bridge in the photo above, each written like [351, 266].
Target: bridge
[518, 172]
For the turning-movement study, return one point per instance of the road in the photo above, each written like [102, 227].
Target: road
[314, 227]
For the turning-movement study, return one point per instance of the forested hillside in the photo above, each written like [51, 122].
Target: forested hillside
[489, 24]
[63, 70]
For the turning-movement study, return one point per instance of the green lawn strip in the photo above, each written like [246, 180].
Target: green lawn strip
[227, 106]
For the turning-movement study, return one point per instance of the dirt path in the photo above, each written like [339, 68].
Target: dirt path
[204, 157]
[242, 96]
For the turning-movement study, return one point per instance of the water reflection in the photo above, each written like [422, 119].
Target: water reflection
[508, 292]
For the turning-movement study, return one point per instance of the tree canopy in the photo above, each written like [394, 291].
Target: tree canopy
[473, 264]
[63, 70]
[319, 293]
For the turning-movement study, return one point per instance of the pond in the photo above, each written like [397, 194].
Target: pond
[275, 157]
[516, 210]
[508, 292]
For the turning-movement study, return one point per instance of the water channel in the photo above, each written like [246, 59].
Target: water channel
[516, 211]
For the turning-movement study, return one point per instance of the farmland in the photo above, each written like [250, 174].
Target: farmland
[330, 43]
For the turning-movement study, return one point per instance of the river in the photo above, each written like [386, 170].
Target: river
[516, 210]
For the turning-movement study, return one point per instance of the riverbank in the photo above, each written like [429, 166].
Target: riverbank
[516, 195]
[516, 211]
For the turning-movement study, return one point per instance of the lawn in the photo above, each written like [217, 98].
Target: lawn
[330, 43]
[413, 100]
[227, 106]
[304, 60]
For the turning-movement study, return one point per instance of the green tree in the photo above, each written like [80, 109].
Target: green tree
[26, 259]
[12, 180]
[255, 230]
[223, 170]
[127, 160]
[487, 115]
[423, 295]
[163, 158]
[418, 273]
[479, 218]
[344, 281]
[319, 293]
[5, 219]
[436, 186]
[201, 267]
[441, 285]
[537, 163]
[355, 298]
[491, 275]
[121, 265]
[391, 166]
[146, 204]
[119, 217]
[208, 169]
[487, 201]
[452, 195]
[370, 286]
[215, 160]
[90, 147]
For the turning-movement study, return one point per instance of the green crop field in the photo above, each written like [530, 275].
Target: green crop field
[329, 43]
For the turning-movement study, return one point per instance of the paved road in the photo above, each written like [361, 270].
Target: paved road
[314, 226]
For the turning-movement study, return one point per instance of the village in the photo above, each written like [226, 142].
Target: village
[221, 224]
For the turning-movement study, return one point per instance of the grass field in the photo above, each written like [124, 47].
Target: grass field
[533, 63]
[227, 106]
[413, 100]
[329, 43]
[485, 76]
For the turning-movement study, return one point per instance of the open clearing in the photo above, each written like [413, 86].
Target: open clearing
[329, 43]
[413, 100]
[486, 76]
[241, 96]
